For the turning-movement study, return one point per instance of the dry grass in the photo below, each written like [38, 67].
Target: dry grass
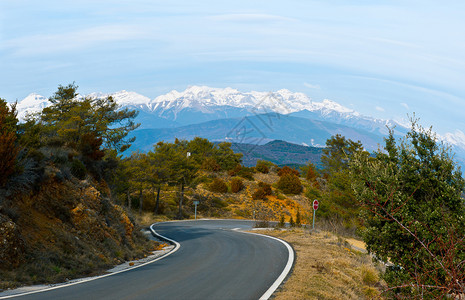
[148, 218]
[326, 268]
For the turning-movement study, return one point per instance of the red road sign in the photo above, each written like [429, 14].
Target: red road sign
[315, 204]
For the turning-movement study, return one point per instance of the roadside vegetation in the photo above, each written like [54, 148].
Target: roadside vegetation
[327, 266]
[57, 217]
[68, 196]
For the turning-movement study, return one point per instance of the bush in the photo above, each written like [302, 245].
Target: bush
[218, 186]
[259, 194]
[244, 172]
[263, 190]
[290, 184]
[78, 169]
[266, 188]
[236, 185]
[262, 167]
[287, 170]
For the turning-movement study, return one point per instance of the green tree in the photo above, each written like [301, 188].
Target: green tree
[338, 152]
[414, 213]
[86, 123]
[159, 172]
[8, 141]
[338, 195]
[183, 168]
[226, 157]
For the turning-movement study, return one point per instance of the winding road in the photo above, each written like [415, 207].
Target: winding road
[214, 261]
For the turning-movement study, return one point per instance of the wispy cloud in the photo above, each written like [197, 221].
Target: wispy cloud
[69, 41]
[405, 105]
[312, 86]
[251, 18]
[379, 108]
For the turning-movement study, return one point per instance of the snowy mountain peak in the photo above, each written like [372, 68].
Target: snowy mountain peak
[31, 104]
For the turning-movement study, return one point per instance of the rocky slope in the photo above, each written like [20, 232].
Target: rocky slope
[64, 229]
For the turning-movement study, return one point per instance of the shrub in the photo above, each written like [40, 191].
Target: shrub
[262, 167]
[266, 188]
[78, 169]
[244, 172]
[287, 170]
[218, 186]
[290, 184]
[236, 185]
[259, 194]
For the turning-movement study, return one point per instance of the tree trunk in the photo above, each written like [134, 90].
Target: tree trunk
[141, 200]
[129, 199]
[157, 202]
[180, 200]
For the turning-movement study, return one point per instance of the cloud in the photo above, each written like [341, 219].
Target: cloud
[379, 108]
[312, 86]
[405, 105]
[69, 41]
[250, 18]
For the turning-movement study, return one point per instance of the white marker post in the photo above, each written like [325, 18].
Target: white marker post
[315, 207]
[196, 202]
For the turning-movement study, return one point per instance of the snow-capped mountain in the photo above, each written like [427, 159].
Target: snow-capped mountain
[200, 103]
[31, 104]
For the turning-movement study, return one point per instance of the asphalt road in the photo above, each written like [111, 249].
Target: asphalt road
[215, 261]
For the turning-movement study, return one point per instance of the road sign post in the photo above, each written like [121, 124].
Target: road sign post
[315, 207]
[196, 202]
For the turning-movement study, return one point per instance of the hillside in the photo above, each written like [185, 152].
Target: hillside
[65, 229]
[278, 152]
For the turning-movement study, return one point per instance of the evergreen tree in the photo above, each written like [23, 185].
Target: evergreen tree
[413, 192]
[8, 141]
[86, 123]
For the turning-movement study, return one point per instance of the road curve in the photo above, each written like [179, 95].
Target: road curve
[214, 261]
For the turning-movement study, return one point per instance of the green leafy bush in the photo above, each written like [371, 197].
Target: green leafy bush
[290, 184]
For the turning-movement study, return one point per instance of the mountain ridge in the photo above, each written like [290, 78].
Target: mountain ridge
[199, 104]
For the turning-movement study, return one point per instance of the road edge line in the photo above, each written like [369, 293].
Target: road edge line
[63, 285]
[287, 269]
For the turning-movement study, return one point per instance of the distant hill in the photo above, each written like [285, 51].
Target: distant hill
[280, 153]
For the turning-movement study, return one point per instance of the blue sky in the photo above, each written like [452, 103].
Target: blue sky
[382, 58]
